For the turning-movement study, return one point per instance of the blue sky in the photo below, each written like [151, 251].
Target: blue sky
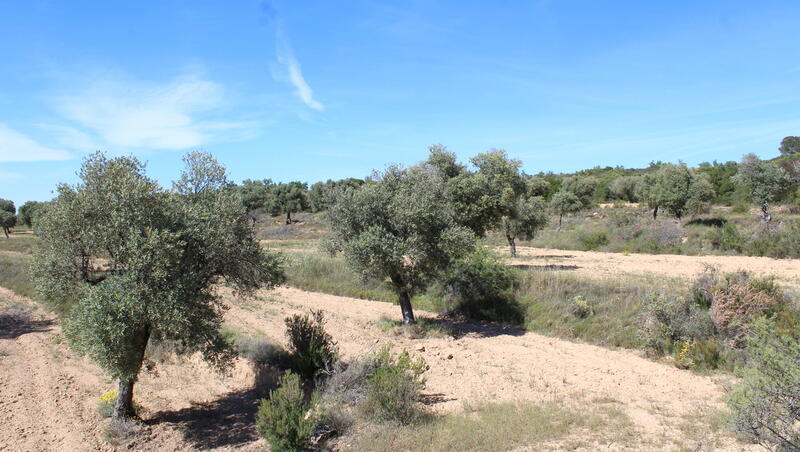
[312, 90]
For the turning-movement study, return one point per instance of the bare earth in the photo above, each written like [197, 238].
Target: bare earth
[48, 396]
[598, 264]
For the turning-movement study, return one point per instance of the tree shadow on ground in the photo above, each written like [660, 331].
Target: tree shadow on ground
[711, 222]
[15, 324]
[546, 268]
[433, 399]
[461, 327]
[227, 421]
[550, 256]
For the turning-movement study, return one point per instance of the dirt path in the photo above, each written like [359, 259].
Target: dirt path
[487, 364]
[600, 264]
[48, 396]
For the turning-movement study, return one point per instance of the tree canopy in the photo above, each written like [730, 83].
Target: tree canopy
[676, 188]
[564, 202]
[790, 145]
[132, 264]
[8, 218]
[400, 227]
[764, 181]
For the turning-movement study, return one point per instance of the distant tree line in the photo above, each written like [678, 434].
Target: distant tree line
[667, 188]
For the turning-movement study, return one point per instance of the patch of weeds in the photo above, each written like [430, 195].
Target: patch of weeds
[120, 432]
[492, 427]
[4, 353]
[105, 404]
[393, 391]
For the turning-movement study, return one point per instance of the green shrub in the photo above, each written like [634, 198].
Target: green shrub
[284, 419]
[697, 354]
[766, 404]
[481, 287]
[393, 392]
[781, 242]
[313, 351]
[670, 319]
[727, 238]
[593, 240]
[582, 308]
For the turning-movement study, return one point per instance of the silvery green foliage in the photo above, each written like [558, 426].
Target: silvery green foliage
[131, 262]
[528, 216]
[582, 187]
[401, 226]
[8, 219]
[676, 188]
[564, 202]
[766, 404]
[764, 181]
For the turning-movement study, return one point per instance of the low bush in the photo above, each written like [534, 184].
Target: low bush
[778, 241]
[593, 240]
[727, 238]
[766, 404]
[285, 419]
[672, 319]
[393, 390]
[582, 308]
[482, 287]
[738, 300]
[312, 350]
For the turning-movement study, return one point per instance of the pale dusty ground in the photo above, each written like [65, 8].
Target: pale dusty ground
[48, 396]
[600, 264]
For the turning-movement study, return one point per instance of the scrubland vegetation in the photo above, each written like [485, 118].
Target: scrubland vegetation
[133, 271]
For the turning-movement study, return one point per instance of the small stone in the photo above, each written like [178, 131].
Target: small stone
[421, 349]
[449, 356]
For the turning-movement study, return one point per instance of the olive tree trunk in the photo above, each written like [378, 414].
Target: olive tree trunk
[512, 244]
[560, 217]
[765, 215]
[123, 407]
[288, 217]
[655, 213]
[405, 307]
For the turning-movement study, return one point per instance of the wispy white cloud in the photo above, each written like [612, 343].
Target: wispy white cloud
[135, 115]
[71, 138]
[302, 89]
[16, 147]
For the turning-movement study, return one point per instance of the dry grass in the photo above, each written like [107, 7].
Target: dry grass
[499, 427]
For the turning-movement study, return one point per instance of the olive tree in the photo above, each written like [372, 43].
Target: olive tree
[474, 196]
[764, 181]
[400, 227]
[624, 188]
[131, 263]
[528, 216]
[289, 198]
[565, 202]
[8, 217]
[790, 145]
[676, 188]
[29, 211]
[507, 196]
[582, 187]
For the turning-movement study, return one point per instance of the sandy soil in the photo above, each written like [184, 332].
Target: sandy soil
[600, 264]
[48, 396]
